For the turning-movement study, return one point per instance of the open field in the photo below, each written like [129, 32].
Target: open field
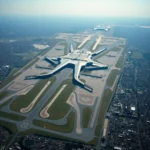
[44, 113]
[68, 127]
[73, 102]
[12, 127]
[51, 42]
[119, 63]
[93, 142]
[60, 108]
[11, 116]
[43, 133]
[31, 105]
[112, 76]
[6, 103]
[24, 100]
[137, 55]
[86, 115]
[105, 102]
[3, 94]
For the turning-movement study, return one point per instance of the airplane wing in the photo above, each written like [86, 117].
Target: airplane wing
[98, 52]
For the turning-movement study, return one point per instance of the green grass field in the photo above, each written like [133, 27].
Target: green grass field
[68, 127]
[60, 108]
[12, 127]
[105, 102]
[112, 76]
[48, 134]
[120, 62]
[6, 103]
[86, 115]
[42, 133]
[24, 100]
[93, 142]
[11, 116]
[3, 94]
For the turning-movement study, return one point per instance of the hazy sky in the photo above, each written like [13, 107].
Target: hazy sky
[133, 8]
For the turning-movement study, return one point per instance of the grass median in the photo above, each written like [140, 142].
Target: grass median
[3, 94]
[60, 108]
[112, 77]
[103, 109]
[86, 115]
[12, 127]
[24, 100]
[68, 127]
[11, 116]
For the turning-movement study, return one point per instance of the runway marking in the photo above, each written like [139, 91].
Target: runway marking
[97, 42]
[44, 113]
[85, 40]
[30, 106]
